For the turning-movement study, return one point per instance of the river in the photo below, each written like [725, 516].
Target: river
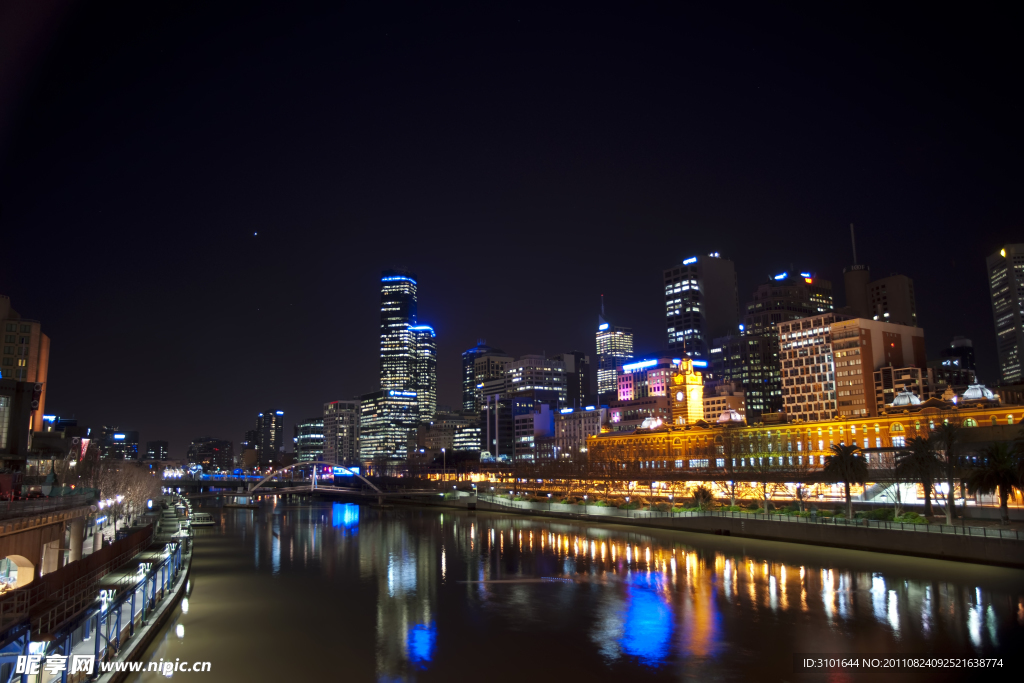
[328, 591]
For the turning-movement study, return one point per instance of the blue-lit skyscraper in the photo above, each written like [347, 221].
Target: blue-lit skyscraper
[408, 350]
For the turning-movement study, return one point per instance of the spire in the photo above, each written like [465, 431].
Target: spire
[853, 241]
[600, 318]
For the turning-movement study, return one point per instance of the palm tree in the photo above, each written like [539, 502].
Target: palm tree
[947, 435]
[997, 470]
[919, 461]
[847, 466]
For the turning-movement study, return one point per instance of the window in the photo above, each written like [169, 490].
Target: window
[899, 441]
[1009, 419]
[866, 443]
[26, 328]
[970, 422]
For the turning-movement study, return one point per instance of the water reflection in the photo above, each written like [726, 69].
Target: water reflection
[408, 594]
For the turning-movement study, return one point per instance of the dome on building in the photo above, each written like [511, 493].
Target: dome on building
[906, 398]
[978, 391]
[729, 416]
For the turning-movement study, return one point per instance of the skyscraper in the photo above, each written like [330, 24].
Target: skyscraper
[892, 300]
[212, 454]
[614, 349]
[270, 428]
[701, 303]
[470, 378]
[341, 432]
[534, 371]
[425, 371]
[26, 356]
[1006, 286]
[309, 440]
[157, 450]
[387, 425]
[754, 364]
[408, 350]
[577, 378]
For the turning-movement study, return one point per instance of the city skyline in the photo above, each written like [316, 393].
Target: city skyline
[266, 213]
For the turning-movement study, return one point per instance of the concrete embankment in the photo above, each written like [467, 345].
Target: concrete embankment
[976, 549]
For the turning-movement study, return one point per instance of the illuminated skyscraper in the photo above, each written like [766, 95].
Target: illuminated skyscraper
[479, 364]
[751, 357]
[1006, 285]
[309, 440]
[397, 341]
[341, 432]
[408, 350]
[425, 371]
[614, 349]
[270, 428]
[700, 303]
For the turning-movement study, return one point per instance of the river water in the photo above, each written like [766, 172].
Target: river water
[355, 593]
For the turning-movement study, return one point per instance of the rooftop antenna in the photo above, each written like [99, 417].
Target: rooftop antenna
[602, 305]
[853, 240]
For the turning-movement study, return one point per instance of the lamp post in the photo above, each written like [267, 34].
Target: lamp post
[444, 462]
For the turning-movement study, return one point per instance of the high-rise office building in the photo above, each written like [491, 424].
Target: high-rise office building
[309, 440]
[829, 361]
[577, 378]
[26, 356]
[493, 367]
[614, 349]
[888, 299]
[786, 296]
[535, 372]
[214, 455]
[1006, 287]
[425, 375]
[251, 440]
[892, 300]
[963, 349]
[119, 445]
[752, 362]
[157, 450]
[701, 303]
[270, 435]
[341, 432]
[408, 349]
[387, 424]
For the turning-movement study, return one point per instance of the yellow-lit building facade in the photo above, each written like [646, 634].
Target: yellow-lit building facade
[703, 451]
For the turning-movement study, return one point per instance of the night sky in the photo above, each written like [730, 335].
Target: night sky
[197, 201]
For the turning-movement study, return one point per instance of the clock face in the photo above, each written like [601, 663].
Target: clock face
[679, 396]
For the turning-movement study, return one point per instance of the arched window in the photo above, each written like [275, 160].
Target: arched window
[895, 427]
[994, 421]
[970, 422]
[1009, 419]
[876, 428]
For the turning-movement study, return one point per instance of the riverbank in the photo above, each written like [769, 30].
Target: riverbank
[960, 545]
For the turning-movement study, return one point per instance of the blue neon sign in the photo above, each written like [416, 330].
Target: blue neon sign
[692, 259]
[633, 367]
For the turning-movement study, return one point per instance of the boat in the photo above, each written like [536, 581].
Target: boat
[202, 519]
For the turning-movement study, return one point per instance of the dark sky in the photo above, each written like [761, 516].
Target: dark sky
[521, 160]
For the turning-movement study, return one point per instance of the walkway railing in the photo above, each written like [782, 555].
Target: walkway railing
[26, 508]
[610, 512]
